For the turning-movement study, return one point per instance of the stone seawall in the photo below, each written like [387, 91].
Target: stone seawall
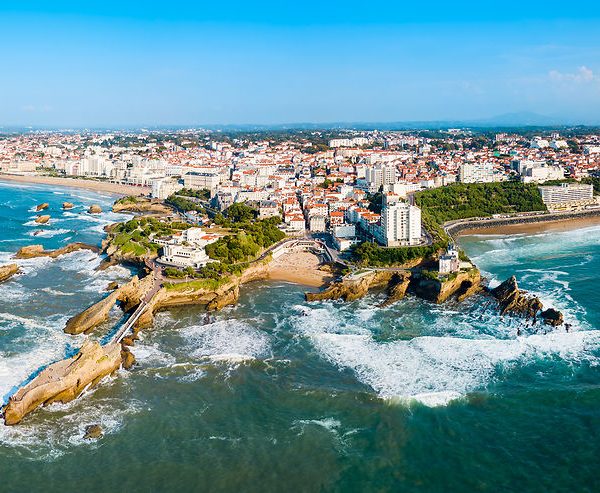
[456, 227]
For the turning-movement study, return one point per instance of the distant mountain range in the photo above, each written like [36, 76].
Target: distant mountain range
[507, 120]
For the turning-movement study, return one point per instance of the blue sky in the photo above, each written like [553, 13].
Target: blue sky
[189, 63]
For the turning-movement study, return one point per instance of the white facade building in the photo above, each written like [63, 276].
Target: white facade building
[567, 195]
[401, 225]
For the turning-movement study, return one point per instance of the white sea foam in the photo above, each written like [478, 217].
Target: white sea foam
[49, 233]
[232, 341]
[433, 370]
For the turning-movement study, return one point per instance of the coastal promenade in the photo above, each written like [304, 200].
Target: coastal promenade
[461, 226]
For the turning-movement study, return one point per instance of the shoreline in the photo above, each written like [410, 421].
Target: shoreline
[298, 268]
[556, 226]
[92, 185]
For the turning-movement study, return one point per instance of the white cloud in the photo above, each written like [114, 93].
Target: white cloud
[582, 75]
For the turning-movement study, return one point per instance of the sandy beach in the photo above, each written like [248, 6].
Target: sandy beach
[299, 268]
[534, 228]
[97, 186]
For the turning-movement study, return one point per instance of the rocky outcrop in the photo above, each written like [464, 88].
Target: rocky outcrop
[552, 317]
[93, 432]
[112, 286]
[460, 285]
[67, 205]
[42, 219]
[397, 288]
[7, 271]
[65, 380]
[353, 287]
[127, 358]
[212, 297]
[130, 295]
[398, 283]
[141, 205]
[42, 207]
[33, 251]
[512, 300]
[95, 209]
[91, 317]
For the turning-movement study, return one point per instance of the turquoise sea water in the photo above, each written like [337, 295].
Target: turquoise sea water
[275, 394]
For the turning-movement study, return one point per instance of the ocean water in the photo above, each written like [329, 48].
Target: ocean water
[276, 394]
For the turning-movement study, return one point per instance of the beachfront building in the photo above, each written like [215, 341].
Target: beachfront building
[568, 196]
[400, 225]
[187, 249]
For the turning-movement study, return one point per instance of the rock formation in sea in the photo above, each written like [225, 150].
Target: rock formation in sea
[398, 283]
[95, 209]
[93, 432]
[67, 205]
[512, 300]
[64, 380]
[7, 271]
[42, 219]
[42, 207]
[33, 251]
[129, 295]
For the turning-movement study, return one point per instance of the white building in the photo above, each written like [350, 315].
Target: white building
[567, 195]
[202, 179]
[449, 261]
[400, 225]
[188, 249]
[380, 174]
[165, 187]
[479, 173]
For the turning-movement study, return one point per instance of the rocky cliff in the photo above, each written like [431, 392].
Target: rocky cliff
[141, 205]
[130, 295]
[462, 284]
[33, 251]
[65, 380]
[7, 271]
[398, 283]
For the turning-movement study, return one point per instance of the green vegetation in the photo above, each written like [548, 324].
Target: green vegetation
[247, 242]
[374, 255]
[133, 237]
[128, 200]
[433, 275]
[462, 201]
[202, 194]
[184, 204]
[236, 215]
[196, 284]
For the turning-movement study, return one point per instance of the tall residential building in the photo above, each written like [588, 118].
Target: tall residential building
[567, 195]
[479, 173]
[380, 174]
[400, 225]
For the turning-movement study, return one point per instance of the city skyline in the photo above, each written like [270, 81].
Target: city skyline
[187, 65]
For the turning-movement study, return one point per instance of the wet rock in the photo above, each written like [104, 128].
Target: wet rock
[67, 205]
[95, 209]
[127, 358]
[64, 380]
[7, 271]
[42, 207]
[42, 219]
[397, 288]
[112, 286]
[93, 432]
[512, 300]
[33, 251]
[552, 317]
